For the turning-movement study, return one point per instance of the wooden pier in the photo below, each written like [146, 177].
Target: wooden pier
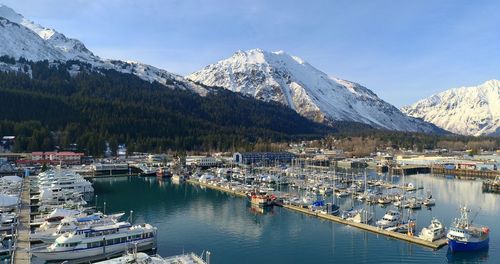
[404, 237]
[21, 251]
[409, 170]
[412, 239]
[465, 172]
[236, 193]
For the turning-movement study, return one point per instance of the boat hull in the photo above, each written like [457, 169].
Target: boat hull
[117, 249]
[456, 246]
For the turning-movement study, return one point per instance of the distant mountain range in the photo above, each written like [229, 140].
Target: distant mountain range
[473, 111]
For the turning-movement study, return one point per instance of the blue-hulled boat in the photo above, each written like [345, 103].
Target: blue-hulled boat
[463, 236]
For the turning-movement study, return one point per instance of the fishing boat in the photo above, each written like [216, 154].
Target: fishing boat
[433, 232]
[390, 219]
[162, 172]
[463, 236]
[262, 199]
[98, 241]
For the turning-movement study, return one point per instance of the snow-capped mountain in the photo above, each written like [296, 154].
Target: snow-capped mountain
[277, 76]
[471, 111]
[20, 37]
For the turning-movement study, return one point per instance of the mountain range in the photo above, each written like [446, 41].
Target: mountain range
[473, 111]
[267, 76]
[277, 76]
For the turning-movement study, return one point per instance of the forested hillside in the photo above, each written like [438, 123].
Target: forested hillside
[53, 108]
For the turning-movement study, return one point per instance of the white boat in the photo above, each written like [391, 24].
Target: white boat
[390, 219]
[49, 235]
[99, 241]
[65, 180]
[433, 232]
[361, 216]
[134, 258]
[143, 258]
[342, 194]
[206, 177]
[429, 202]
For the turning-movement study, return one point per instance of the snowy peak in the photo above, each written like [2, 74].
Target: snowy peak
[277, 76]
[20, 37]
[471, 111]
[69, 48]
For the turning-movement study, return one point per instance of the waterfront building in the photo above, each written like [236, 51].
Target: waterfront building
[262, 157]
[54, 158]
[208, 162]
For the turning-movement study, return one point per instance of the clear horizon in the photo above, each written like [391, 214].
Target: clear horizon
[402, 52]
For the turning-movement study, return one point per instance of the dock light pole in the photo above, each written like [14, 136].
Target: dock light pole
[104, 211]
[95, 201]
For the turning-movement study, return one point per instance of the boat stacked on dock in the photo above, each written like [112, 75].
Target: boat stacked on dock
[433, 232]
[60, 189]
[10, 200]
[70, 231]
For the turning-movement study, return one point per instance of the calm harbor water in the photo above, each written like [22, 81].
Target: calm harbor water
[190, 218]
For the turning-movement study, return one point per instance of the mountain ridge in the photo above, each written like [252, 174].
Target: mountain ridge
[290, 80]
[34, 42]
[471, 110]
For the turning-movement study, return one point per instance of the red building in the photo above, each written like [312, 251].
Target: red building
[54, 158]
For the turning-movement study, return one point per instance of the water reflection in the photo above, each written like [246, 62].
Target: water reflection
[467, 257]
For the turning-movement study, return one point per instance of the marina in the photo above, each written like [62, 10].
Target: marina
[60, 211]
[196, 217]
[412, 239]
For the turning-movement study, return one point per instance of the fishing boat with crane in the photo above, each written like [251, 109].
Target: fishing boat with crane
[464, 236]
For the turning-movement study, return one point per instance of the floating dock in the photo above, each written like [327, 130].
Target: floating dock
[412, 239]
[218, 188]
[21, 252]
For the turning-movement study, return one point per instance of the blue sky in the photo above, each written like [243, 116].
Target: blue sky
[402, 50]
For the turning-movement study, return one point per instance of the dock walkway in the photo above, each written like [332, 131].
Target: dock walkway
[21, 252]
[412, 239]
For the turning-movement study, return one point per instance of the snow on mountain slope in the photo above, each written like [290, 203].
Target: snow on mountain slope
[276, 76]
[20, 37]
[467, 110]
